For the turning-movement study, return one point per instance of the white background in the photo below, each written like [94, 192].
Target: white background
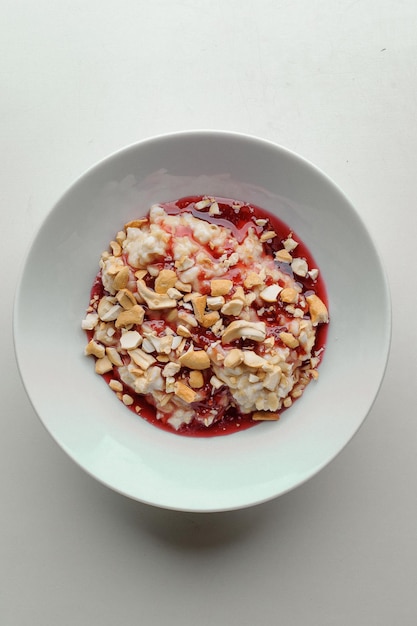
[334, 80]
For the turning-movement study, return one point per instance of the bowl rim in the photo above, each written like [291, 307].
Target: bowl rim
[133, 146]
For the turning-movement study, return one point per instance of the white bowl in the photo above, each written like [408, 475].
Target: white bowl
[125, 452]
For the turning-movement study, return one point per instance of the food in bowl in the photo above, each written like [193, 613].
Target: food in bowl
[207, 316]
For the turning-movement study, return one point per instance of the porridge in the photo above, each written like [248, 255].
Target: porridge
[207, 316]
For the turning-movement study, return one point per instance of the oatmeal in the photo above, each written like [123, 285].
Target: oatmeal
[207, 316]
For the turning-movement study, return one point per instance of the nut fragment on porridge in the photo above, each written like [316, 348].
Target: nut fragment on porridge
[207, 316]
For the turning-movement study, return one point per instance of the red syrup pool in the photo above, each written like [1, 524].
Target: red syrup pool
[211, 398]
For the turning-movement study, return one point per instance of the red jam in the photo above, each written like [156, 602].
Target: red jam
[238, 218]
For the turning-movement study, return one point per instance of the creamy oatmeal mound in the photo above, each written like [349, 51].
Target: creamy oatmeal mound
[206, 314]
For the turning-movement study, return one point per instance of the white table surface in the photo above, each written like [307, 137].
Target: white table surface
[334, 80]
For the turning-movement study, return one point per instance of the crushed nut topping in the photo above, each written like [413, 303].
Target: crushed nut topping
[208, 310]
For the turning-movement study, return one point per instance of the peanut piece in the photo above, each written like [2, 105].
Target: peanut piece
[183, 331]
[233, 358]
[165, 280]
[155, 301]
[130, 340]
[251, 359]
[184, 392]
[252, 280]
[116, 248]
[195, 359]
[265, 416]
[270, 293]
[199, 306]
[136, 223]
[289, 295]
[133, 316]
[122, 278]
[196, 379]
[115, 385]
[220, 286]
[215, 302]
[241, 329]
[114, 356]
[127, 400]
[232, 307]
[299, 267]
[283, 256]
[267, 235]
[318, 310]
[140, 358]
[209, 319]
[289, 340]
[125, 298]
[103, 365]
[95, 348]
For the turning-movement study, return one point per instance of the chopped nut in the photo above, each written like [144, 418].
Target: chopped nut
[106, 308]
[313, 274]
[214, 209]
[233, 358]
[251, 359]
[265, 416]
[137, 223]
[241, 329]
[202, 204]
[283, 256]
[299, 267]
[289, 340]
[90, 321]
[252, 280]
[267, 235]
[216, 382]
[115, 385]
[103, 365]
[290, 244]
[196, 379]
[174, 293]
[270, 293]
[114, 356]
[122, 278]
[121, 236]
[148, 346]
[288, 295]
[184, 392]
[184, 287]
[171, 369]
[195, 359]
[187, 318]
[133, 316]
[130, 340]
[95, 348]
[116, 248]
[199, 306]
[209, 319]
[127, 400]
[318, 310]
[165, 280]
[141, 358]
[126, 298]
[139, 274]
[183, 331]
[220, 287]
[155, 301]
[232, 307]
[215, 302]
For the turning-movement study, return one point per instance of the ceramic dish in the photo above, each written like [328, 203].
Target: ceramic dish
[125, 452]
